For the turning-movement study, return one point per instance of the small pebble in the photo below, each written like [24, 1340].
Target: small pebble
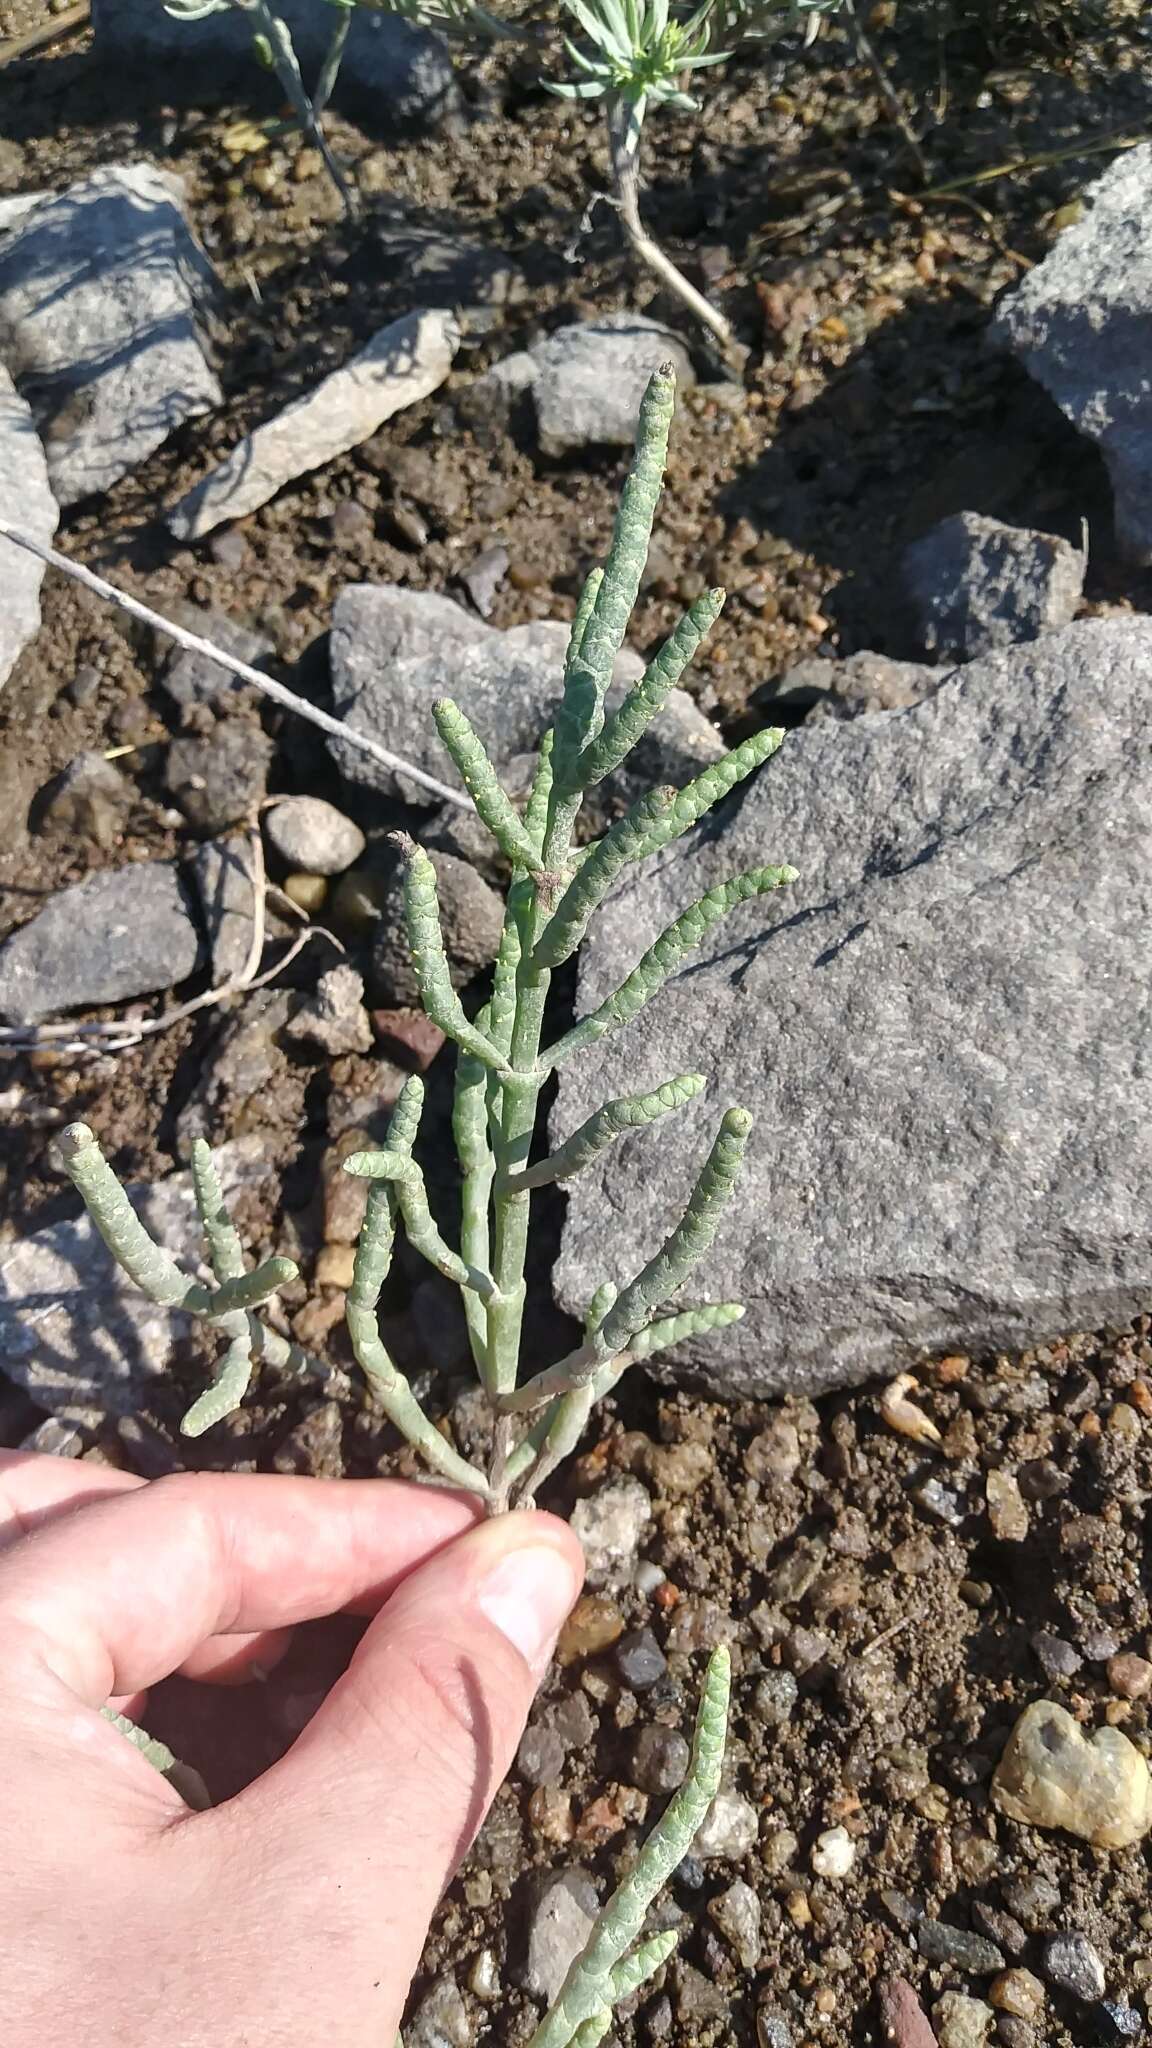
[772, 2029]
[1052, 1776]
[1014, 2033]
[1114, 2021]
[1058, 1658]
[1006, 1932]
[833, 1853]
[1073, 1964]
[1129, 1675]
[540, 1757]
[962, 2022]
[594, 1624]
[737, 1915]
[312, 835]
[940, 1943]
[729, 1828]
[1017, 1992]
[307, 892]
[660, 1759]
[903, 2019]
[1006, 1509]
[640, 1660]
[775, 1697]
[1033, 1900]
[334, 1266]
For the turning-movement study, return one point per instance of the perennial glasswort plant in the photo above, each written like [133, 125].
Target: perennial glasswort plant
[502, 1066]
[503, 1061]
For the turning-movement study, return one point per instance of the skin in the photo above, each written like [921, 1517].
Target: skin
[294, 1913]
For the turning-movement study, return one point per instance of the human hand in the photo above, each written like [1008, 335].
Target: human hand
[293, 1915]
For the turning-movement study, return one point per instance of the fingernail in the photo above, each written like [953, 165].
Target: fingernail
[527, 1597]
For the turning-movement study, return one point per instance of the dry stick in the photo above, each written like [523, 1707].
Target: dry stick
[48, 32]
[888, 93]
[195, 645]
[624, 157]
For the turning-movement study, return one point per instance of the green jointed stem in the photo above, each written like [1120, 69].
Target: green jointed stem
[155, 1273]
[228, 1389]
[615, 599]
[587, 1989]
[688, 1322]
[625, 726]
[373, 1257]
[429, 960]
[477, 1166]
[480, 779]
[626, 841]
[690, 1240]
[664, 956]
[225, 1252]
[248, 1290]
[627, 1113]
[646, 1958]
[698, 796]
[405, 1176]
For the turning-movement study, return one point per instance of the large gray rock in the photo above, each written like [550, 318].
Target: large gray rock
[401, 364]
[26, 499]
[1079, 323]
[974, 584]
[394, 651]
[392, 73]
[103, 291]
[942, 1030]
[76, 1333]
[123, 933]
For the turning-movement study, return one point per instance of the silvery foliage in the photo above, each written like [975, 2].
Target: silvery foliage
[504, 1061]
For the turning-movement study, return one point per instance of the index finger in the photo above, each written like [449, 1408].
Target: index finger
[118, 1596]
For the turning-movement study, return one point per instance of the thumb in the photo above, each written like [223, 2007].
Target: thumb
[385, 1789]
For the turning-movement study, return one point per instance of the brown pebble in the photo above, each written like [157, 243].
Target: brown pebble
[902, 2017]
[953, 1368]
[307, 892]
[1130, 1675]
[334, 1265]
[595, 1623]
[1017, 1992]
[550, 1812]
[411, 1037]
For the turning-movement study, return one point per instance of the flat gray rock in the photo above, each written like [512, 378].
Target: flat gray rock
[973, 584]
[943, 1031]
[586, 381]
[77, 1334]
[103, 295]
[401, 364]
[124, 933]
[394, 651]
[221, 872]
[1079, 323]
[823, 687]
[393, 74]
[26, 499]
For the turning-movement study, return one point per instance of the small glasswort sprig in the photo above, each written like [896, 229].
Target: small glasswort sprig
[503, 1060]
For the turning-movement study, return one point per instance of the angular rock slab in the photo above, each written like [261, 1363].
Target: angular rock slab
[124, 933]
[586, 381]
[1079, 324]
[103, 290]
[974, 584]
[75, 1332]
[26, 500]
[392, 74]
[403, 363]
[943, 1030]
[394, 651]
